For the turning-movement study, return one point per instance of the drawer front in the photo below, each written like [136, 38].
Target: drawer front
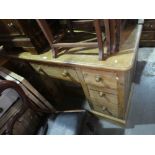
[101, 109]
[101, 79]
[63, 73]
[149, 26]
[148, 35]
[104, 89]
[105, 110]
[104, 102]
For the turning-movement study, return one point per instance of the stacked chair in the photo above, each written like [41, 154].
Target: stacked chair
[106, 31]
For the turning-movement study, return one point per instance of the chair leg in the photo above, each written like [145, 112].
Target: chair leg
[112, 29]
[113, 35]
[118, 34]
[99, 38]
[107, 33]
[70, 27]
[48, 34]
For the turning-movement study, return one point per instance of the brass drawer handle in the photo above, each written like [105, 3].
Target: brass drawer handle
[65, 73]
[101, 94]
[98, 78]
[106, 109]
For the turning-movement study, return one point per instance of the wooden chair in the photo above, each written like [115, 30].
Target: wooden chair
[112, 31]
[99, 44]
[27, 103]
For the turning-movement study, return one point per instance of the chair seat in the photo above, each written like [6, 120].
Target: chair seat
[69, 123]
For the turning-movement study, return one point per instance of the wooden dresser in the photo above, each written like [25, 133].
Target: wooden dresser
[106, 84]
[148, 33]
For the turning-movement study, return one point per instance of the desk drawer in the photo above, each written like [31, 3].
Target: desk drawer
[146, 35]
[106, 110]
[104, 89]
[64, 73]
[104, 102]
[101, 79]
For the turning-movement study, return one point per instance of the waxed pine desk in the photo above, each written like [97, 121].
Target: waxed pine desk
[106, 84]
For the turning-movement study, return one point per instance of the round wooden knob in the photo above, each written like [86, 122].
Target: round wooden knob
[98, 78]
[104, 108]
[65, 73]
[101, 94]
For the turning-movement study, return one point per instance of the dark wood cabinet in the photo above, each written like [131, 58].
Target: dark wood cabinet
[148, 34]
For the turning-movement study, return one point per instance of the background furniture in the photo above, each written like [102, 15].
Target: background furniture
[148, 33]
[16, 114]
[21, 35]
[21, 108]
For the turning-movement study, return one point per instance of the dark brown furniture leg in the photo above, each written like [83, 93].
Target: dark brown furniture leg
[70, 26]
[113, 35]
[112, 29]
[118, 33]
[107, 34]
[99, 38]
[48, 34]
